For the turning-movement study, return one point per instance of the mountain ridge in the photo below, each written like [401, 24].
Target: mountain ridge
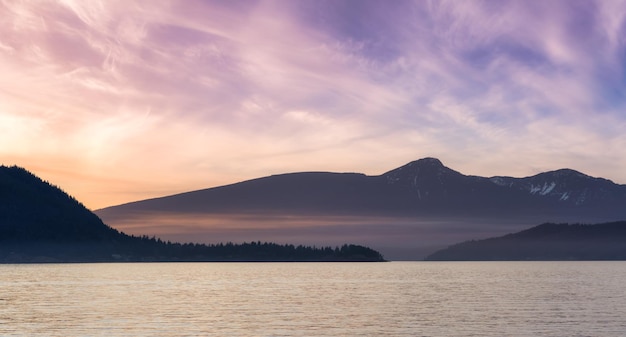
[410, 210]
[548, 241]
[427, 179]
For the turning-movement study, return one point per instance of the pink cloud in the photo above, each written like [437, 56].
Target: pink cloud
[184, 95]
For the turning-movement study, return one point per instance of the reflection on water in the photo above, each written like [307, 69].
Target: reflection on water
[314, 299]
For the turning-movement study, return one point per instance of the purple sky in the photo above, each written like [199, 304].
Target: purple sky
[117, 101]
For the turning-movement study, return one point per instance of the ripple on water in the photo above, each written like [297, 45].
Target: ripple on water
[314, 299]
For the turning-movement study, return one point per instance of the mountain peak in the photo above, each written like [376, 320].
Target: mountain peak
[428, 161]
[564, 173]
[427, 177]
[421, 167]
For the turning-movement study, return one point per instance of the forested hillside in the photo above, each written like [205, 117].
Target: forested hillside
[41, 223]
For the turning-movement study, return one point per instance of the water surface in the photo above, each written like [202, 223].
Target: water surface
[314, 299]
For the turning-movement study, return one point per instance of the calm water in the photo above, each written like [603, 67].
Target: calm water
[315, 299]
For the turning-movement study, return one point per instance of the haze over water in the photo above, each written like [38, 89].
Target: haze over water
[314, 299]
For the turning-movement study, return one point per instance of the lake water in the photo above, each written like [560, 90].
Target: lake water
[314, 299]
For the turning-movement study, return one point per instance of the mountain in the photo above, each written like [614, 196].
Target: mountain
[421, 187]
[405, 212]
[445, 190]
[549, 241]
[33, 210]
[41, 223]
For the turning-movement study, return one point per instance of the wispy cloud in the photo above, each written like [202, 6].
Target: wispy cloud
[182, 95]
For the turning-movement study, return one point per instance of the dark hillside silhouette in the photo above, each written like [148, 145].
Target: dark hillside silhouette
[41, 223]
[34, 210]
[549, 241]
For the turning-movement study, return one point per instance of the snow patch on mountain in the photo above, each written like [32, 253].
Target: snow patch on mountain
[543, 190]
[500, 181]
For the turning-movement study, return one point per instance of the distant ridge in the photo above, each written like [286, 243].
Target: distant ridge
[549, 241]
[41, 223]
[422, 187]
[406, 213]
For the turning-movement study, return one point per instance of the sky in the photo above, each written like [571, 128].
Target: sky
[117, 101]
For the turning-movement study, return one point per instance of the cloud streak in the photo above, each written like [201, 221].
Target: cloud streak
[175, 96]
